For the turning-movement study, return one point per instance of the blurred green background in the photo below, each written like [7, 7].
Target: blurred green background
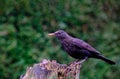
[24, 25]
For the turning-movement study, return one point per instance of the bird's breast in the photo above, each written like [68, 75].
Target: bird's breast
[69, 47]
[72, 50]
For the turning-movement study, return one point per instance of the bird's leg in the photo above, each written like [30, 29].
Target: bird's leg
[77, 60]
[84, 59]
[81, 61]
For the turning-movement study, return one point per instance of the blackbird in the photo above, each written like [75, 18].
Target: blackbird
[78, 48]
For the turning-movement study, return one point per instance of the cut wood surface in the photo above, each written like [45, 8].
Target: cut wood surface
[47, 69]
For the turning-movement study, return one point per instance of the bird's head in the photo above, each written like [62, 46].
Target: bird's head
[60, 34]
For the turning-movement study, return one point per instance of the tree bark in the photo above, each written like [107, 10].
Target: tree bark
[52, 70]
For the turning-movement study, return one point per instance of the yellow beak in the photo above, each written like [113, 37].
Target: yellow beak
[51, 34]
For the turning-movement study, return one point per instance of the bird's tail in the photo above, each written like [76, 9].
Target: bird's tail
[106, 60]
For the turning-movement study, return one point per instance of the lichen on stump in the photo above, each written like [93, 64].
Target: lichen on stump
[52, 70]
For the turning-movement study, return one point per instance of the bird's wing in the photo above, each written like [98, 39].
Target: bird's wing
[83, 45]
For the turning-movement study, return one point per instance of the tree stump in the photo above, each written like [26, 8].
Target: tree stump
[52, 70]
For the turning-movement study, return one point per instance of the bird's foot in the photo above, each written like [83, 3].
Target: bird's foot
[81, 61]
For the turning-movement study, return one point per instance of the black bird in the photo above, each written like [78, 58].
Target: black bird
[78, 48]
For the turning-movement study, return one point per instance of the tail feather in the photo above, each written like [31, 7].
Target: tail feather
[106, 60]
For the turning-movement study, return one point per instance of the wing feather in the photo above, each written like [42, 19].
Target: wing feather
[83, 45]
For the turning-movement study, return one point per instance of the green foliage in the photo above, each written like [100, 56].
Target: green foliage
[24, 25]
